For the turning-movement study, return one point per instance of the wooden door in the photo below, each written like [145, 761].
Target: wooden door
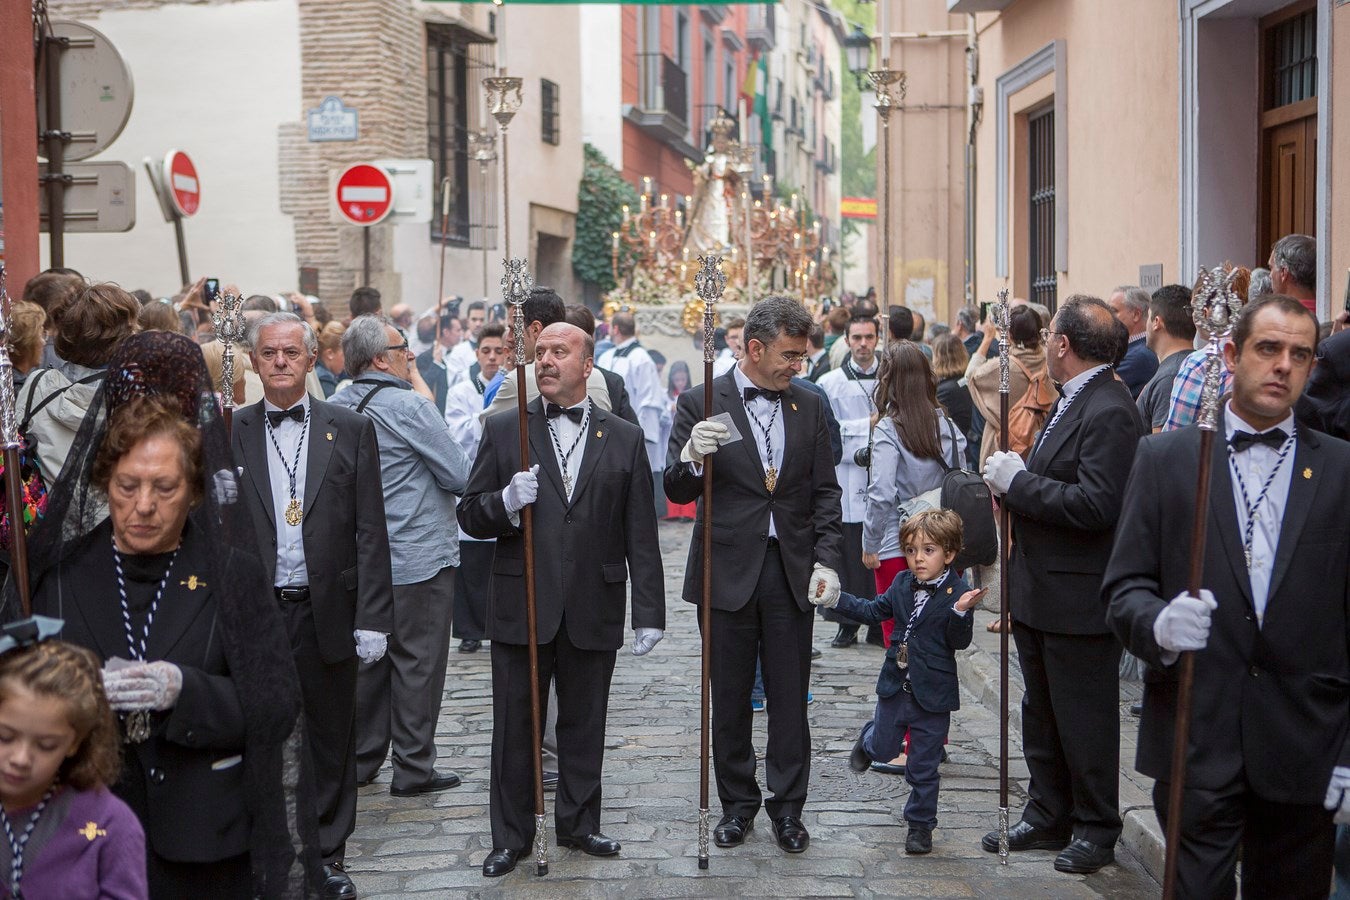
[1288, 126]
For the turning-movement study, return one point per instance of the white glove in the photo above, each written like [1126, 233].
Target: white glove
[143, 686]
[824, 587]
[1001, 468]
[225, 487]
[704, 438]
[1338, 795]
[645, 639]
[522, 491]
[1183, 624]
[370, 645]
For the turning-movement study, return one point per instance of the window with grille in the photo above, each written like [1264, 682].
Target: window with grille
[1291, 54]
[456, 65]
[548, 92]
[1041, 183]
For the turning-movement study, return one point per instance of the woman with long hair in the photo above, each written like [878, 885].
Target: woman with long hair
[677, 382]
[1026, 360]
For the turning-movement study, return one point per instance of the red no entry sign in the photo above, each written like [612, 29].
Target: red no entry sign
[180, 176]
[364, 194]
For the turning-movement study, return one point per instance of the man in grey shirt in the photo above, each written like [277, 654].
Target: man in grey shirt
[422, 468]
[1170, 334]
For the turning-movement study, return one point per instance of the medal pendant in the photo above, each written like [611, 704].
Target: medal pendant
[902, 656]
[567, 484]
[293, 512]
[771, 479]
[137, 726]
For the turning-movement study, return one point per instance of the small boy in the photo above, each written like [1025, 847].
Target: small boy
[917, 689]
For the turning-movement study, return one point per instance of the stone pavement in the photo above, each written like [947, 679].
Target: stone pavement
[434, 845]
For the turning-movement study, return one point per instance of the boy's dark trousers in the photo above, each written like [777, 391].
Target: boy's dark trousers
[882, 737]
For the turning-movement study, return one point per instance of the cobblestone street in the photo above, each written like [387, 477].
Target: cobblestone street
[434, 845]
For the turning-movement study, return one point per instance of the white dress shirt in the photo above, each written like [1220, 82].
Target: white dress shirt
[293, 438]
[763, 409]
[564, 432]
[852, 402]
[1254, 465]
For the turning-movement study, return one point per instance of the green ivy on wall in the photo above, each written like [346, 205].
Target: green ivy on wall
[600, 201]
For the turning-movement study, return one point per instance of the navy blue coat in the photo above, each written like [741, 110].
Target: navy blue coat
[938, 634]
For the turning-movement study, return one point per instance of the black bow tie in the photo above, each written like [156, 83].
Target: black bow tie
[753, 392]
[574, 413]
[928, 586]
[276, 416]
[1273, 439]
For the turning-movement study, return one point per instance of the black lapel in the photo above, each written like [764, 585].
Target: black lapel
[792, 426]
[731, 402]
[185, 598]
[596, 438]
[323, 433]
[541, 446]
[102, 614]
[944, 588]
[1303, 483]
[254, 442]
[1068, 423]
[1223, 510]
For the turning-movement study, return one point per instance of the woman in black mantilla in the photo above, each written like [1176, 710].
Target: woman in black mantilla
[140, 555]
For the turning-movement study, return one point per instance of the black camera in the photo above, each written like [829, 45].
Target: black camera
[862, 457]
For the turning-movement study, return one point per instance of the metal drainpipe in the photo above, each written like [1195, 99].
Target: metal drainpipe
[974, 108]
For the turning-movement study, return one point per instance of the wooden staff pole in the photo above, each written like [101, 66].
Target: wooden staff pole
[710, 282]
[1214, 305]
[1002, 321]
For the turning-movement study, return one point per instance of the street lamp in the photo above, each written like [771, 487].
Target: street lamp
[503, 101]
[889, 85]
[858, 52]
[484, 151]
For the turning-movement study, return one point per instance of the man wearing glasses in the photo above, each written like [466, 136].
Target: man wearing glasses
[777, 538]
[422, 468]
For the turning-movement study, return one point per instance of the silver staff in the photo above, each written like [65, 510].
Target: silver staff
[228, 321]
[1002, 316]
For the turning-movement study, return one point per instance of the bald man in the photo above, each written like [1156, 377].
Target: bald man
[590, 489]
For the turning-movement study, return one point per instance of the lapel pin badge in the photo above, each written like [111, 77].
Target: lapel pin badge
[794, 406]
[329, 435]
[193, 582]
[949, 590]
[1307, 473]
[599, 434]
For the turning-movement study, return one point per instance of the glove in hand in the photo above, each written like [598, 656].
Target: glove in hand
[1184, 624]
[704, 438]
[1338, 795]
[644, 639]
[1000, 470]
[824, 587]
[522, 491]
[225, 487]
[370, 645]
[142, 686]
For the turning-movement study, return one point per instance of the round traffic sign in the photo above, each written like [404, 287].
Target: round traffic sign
[364, 194]
[180, 178]
[95, 91]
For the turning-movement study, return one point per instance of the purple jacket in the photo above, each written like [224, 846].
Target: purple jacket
[88, 844]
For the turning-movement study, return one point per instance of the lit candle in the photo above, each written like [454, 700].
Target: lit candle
[651, 239]
[735, 252]
[684, 254]
[625, 214]
[756, 204]
[646, 184]
[679, 218]
[768, 185]
[815, 228]
[683, 270]
[885, 32]
[688, 201]
[665, 201]
[614, 241]
[642, 205]
[796, 240]
[794, 202]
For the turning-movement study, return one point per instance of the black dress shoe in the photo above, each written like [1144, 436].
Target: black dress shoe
[1024, 836]
[1137, 709]
[439, 781]
[886, 768]
[469, 645]
[337, 883]
[500, 861]
[919, 840]
[846, 637]
[815, 654]
[791, 834]
[592, 844]
[1084, 857]
[858, 760]
[731, 831]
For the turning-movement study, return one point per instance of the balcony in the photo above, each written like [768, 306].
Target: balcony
[759, 30]
[974, 6]
[662, 109]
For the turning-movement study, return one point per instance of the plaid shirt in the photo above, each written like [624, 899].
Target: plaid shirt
[1187, 389]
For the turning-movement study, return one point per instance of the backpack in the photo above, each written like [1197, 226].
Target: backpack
[34, 485]
[964, 493]
[1027, 415]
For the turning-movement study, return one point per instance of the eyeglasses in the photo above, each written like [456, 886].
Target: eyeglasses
[396, 347]
[1045, 335]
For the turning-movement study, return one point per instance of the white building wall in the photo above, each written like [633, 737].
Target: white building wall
[601, 101]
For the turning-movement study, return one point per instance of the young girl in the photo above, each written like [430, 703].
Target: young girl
[66, 834]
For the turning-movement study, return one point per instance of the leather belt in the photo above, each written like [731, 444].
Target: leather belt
[292, 594]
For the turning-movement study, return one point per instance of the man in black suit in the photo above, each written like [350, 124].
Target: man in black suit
[593, 508]
[1064, 502]
[1269, 756]
[776, 503]
[310, 474]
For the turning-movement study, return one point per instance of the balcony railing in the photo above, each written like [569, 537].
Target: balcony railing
[759, 33]
[663, 86]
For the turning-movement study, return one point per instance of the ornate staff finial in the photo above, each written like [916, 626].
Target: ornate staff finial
[231, 328]
[1215, 304]
[710, 282]
[516, 286]
[9, 420]
[1003, 322]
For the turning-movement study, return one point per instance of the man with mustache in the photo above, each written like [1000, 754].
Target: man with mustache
[590, 490]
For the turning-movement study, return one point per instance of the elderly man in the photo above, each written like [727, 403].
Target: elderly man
[590, 491]
[1130, 304]
[422, 468]
[1293, 269]
[310, 477]
[1064, 503]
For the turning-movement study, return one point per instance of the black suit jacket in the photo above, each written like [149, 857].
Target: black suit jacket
[584, 551]
[618, 396]
[435, 377]
[1064, 510]
[192, 810]
[345, 532]
[933, 643]
[1271, 703]
[805, 505]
